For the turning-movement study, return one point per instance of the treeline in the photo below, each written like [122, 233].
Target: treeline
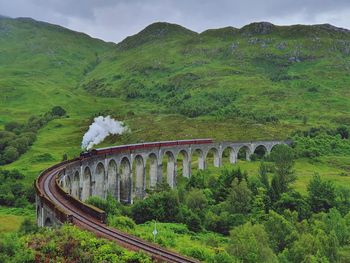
[13, 192]
[266, 219]
[18, 137]
[319, 141]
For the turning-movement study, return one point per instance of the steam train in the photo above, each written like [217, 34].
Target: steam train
[130, 147]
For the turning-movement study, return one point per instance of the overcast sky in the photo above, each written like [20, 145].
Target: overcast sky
[113, 20]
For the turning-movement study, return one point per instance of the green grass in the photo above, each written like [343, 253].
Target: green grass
[304, 170]
[11, 218]
[9, 223]
[178, 238]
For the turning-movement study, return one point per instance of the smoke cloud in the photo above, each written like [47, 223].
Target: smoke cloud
[100, 129]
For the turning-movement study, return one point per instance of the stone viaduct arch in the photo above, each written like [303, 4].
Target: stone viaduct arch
[113, 179]
[153, 170]
[87, 184]
[140, 176]
[125, 181]
[100, 180]
[127, 174]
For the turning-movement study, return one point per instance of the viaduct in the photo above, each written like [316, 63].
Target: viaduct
[126, 172]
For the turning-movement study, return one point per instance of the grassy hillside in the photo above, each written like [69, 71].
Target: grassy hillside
[167, 82]
[261, 73]
[258, 82]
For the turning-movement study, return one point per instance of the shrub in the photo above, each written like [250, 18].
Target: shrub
[110, 205]
[163, 206]
[189, 218]
[322, 195]
[121, 222]
[10, 154]
[249, 243]
[58, 111]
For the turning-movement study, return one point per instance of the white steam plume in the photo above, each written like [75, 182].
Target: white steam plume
[100, 129]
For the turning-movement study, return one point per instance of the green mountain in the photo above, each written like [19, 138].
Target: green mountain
[261, 72]
[167, 82]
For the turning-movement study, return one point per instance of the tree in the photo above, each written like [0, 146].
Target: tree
[198, 180]
[28, 226]
[239, 198]
[343, 131]
[21, 144]
[311, 246]
[250, 243]
[196, 201]
[163, 206]
[223, 221]
[10, 154]
[58, 111]
[293, 201]
[334, 223]
[263, 178]
[283, 159]
[189, 218]
[343, 199]
[322, 195]
[260, 205]
[221, 188]
[280, 231]
[13, 127]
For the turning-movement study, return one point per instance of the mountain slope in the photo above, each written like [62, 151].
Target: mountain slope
[261, 73]
[40, 63]
[259, 82]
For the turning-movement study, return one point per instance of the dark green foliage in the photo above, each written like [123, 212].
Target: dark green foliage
[239, 198]
[12, 190]
[249, 243]
[196, 201]
[65, 244]
[64, 157]
[222, 186]
[17, 138]
[343, 131]
[28, 226]
[13, 127]
[58, 111]
[189, 218]
[222, 222]
[263, 177]
[343, 200]
[121, 222]
[198, 180]
[110, 205]
[283, 159]
[162, 206]
[13, 249]
[9, 154]
[321, 141]
[281, 232]
[322, 194]
[293, 201]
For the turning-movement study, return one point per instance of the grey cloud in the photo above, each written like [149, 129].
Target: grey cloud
[113, 20]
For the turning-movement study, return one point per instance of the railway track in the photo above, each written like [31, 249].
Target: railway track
[47, 186]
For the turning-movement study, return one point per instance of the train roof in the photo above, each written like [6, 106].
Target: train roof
[158, 142]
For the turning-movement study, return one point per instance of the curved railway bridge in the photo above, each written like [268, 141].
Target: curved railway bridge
[121, 171]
